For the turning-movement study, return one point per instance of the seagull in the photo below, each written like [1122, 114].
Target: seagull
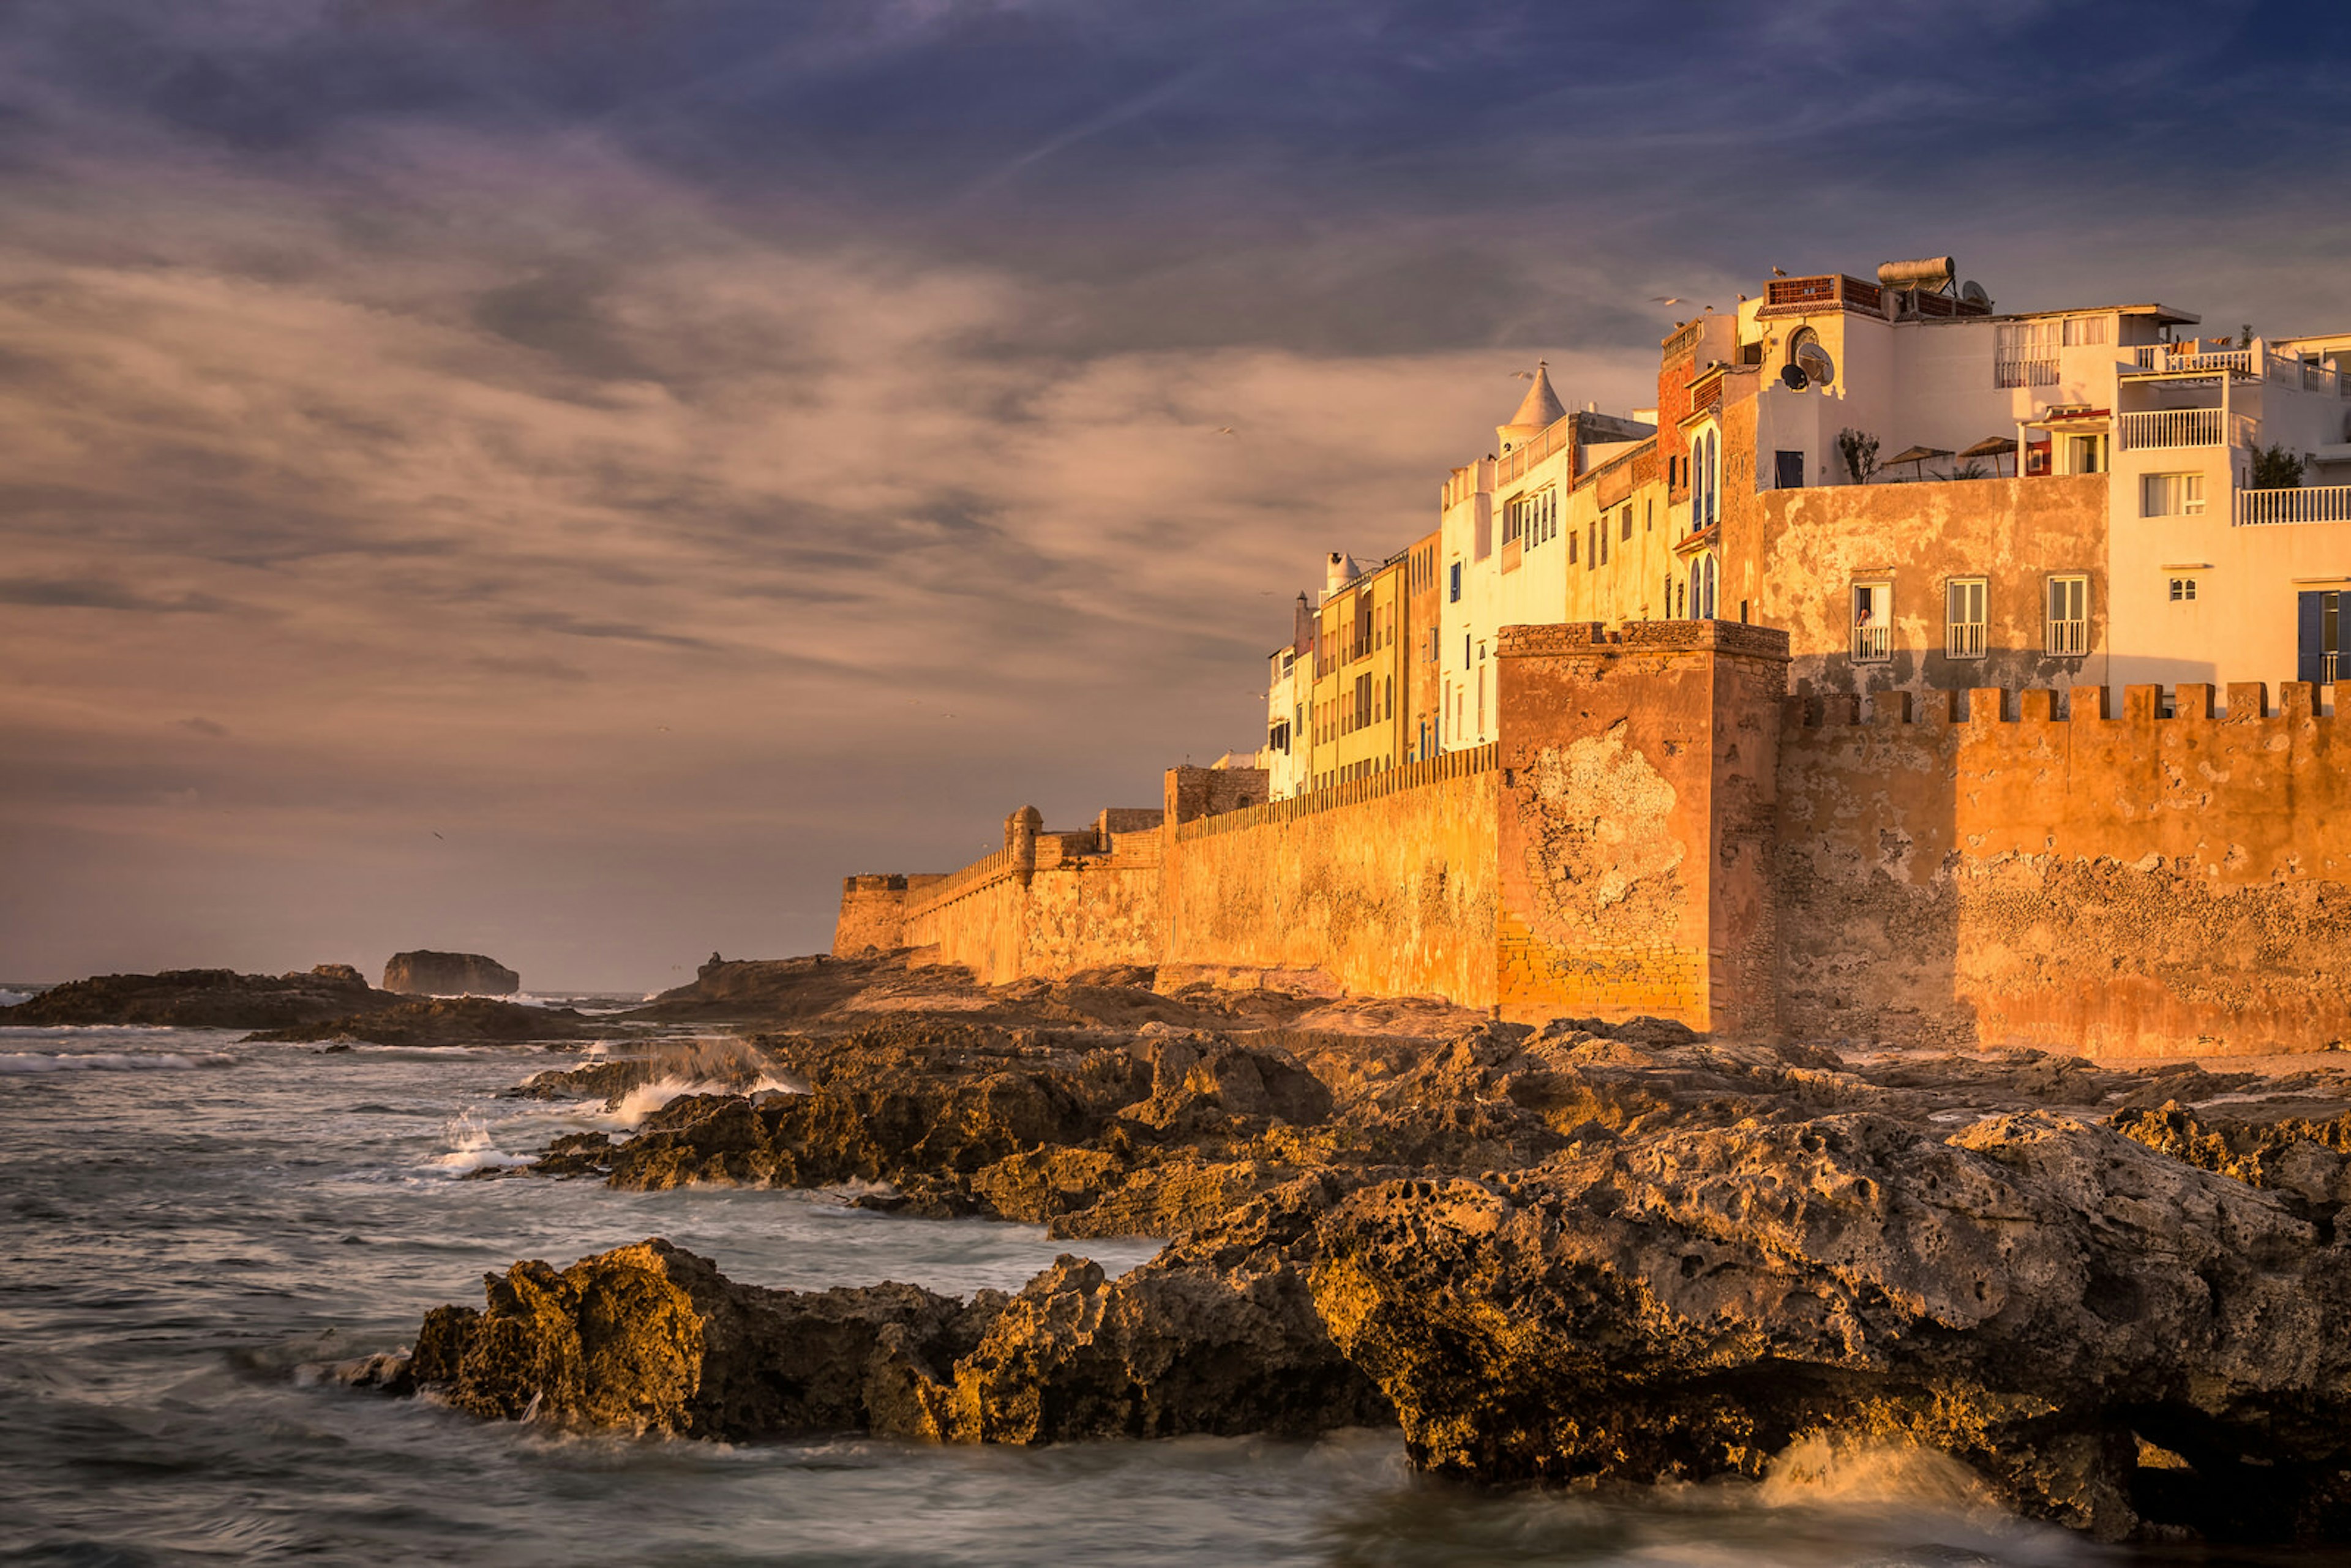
[438, 836]
[1665, 298]
[1227, 430]
[1779, 272]
[1742, 299]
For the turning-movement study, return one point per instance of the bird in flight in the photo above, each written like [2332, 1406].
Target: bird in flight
[438, 836]
[1665, 298]
[1227, 430]
[1779, 272]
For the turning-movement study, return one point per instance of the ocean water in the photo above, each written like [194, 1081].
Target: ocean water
[187, 1222]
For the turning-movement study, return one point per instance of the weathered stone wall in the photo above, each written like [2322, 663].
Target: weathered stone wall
[1634, 828]
[1386, 884]
[872, 914]
[2113, 885]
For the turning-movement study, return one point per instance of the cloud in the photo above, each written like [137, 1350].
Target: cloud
[618, 443]
[101, 593]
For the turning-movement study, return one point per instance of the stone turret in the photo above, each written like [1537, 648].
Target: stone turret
[1538, 412]
[1021, 831]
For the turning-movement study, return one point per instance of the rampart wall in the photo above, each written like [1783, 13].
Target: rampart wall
[1384, 883]
[2124, 885]
[1659, 829]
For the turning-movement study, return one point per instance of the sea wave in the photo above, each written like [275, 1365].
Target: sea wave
[472, 1148]
[647, 1098]
[10, 999]
[29, 1062]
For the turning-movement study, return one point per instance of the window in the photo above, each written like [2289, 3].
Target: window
[1601, 529]
[1533, 519]
[1364, 714]
[1456, 582]
[2025, 354]
[2085, 331]
[1702, 588]
[1706, 481]
[1627, 533]
[1873, 622]
[2069, 617]
[2170, 495]
[1963, 617]
[2183, 590]
[2319, 636]
[1789, 470]
[2085, 455]
[1570, 550]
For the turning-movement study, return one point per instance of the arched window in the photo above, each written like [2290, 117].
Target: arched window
[1702, 588]
[1713, 478]
[1798, 339]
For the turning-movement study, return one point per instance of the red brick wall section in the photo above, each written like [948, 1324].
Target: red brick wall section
[2126, 886]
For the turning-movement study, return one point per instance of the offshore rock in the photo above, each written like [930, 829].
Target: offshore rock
[425, 973]
[652, 1339]
[205, 999]
[444, 1021]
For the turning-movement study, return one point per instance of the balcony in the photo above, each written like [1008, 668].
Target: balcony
[2182, 427]
[1872, 644]
[2308, 504]
[2069, 639]
[2186, 358]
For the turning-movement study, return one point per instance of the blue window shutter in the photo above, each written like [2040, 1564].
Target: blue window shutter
[2309, 634]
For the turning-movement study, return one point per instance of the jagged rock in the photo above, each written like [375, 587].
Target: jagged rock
[203, 998]
[2033, 1296]
[652, 1339]
[425, 973]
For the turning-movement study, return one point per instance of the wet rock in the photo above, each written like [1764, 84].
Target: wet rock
[652, 1339]
[203, 998]
[425, 973]
[2031, 1296]
[444, 1020]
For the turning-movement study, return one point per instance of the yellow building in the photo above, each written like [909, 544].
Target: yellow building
[1357, 714]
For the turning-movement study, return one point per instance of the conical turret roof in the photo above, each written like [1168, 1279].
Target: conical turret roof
[1541, 409]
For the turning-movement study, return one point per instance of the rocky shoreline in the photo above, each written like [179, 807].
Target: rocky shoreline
[1581, 1254]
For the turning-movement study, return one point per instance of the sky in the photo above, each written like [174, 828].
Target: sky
[573, 479]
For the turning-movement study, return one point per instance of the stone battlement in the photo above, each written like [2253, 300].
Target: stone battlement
[1659, 829]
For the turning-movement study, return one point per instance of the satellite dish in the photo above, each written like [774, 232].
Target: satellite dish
[1814, 362]
[1791, 376]
[1973, 293]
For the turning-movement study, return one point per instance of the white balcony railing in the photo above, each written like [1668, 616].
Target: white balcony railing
[2309, 504]
[2309, 375]
[2172, 427]
[2024, 370]
[2328, 664]
[2069, 639]
[2179, 357]
[1872, 644]
[1964, 640]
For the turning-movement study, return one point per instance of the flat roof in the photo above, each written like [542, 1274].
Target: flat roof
[2163, 314]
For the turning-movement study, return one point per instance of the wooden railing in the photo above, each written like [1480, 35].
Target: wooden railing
[2309, 504]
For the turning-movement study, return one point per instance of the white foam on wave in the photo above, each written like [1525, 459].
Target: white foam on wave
[10, 999]
[31, 1062]
[1818, 1470]
[473, 1149]
[647, 1098]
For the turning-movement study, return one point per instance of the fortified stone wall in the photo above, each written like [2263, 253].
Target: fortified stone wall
[872, 914]
[2120, 885]
[1384, 883]
[1635, 834]
[1658, 830]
